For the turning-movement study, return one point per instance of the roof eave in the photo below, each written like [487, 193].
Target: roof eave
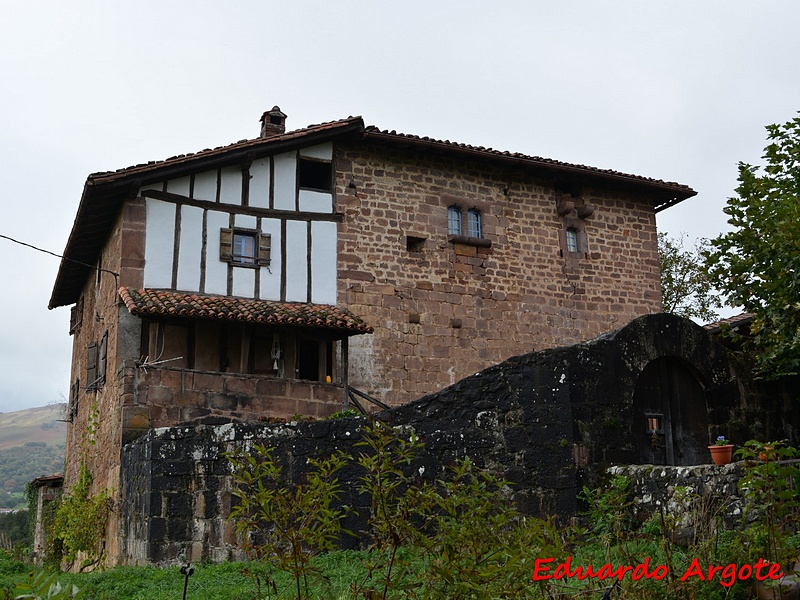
[668, 194]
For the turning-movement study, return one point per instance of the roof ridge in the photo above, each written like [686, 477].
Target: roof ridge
[244, 143]
[372, 129]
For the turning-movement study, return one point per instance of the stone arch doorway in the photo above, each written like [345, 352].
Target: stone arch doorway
[670, 414]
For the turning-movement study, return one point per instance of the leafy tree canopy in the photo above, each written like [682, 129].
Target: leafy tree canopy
[685, 287]
[757, 265]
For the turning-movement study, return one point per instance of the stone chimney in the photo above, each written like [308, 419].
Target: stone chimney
[273, 122]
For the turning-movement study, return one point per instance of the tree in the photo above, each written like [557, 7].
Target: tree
[685, 287]
[757, 265]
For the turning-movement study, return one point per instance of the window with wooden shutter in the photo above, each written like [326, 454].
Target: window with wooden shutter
[91, 367]
[264, 249]
[101, 362]
[225, 245]
[76, 316]
[74, 397]
[245, 247]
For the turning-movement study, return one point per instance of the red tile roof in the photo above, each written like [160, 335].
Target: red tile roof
[680, 191]
[348, 124]
[166, 303]
[105, 192]
[734, 322]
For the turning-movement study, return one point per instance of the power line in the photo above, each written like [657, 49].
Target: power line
[95, 267]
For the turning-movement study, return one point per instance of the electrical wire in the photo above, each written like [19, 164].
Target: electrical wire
[95, 267]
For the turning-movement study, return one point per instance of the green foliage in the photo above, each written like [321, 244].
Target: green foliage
[80, 521]
[609, 509]
[45, 586]
[479, 545]
[22, 464]
[456, 537]
[14, 527]
[757, 265]
[345, 414]
[770, 489]
[686, 289]
[286, 524]
[395, 502]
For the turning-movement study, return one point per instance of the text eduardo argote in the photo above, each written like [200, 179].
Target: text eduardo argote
[725, 575]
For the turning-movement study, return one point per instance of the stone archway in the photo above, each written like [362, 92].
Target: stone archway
[670, 423]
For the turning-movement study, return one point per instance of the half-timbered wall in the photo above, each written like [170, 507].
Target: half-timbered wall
[282, 197]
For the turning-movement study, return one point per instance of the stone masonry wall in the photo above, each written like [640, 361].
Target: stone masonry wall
[442, 310]
[694, 497]
[177, 486]
[549, 422]
[160, 396]
[100, 446]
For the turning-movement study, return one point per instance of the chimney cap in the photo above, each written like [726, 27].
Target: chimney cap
[273, 122]
[275, 113]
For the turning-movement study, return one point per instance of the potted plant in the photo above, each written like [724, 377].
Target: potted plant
[721, 451]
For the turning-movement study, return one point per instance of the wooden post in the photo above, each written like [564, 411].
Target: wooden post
[345, 373]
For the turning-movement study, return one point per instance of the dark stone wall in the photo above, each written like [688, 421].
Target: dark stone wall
[549, 422]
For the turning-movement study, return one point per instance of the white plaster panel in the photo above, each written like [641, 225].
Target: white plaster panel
[205, 186]
[259, 183]
[246, 221]
[158, 185]
[296, 261]
[321, 151]
[271, 277]
[191, 249]
[244, 282]
[320, 202]
[216, 270]
[159, 244]
[179, 186]
[230, 187]
[285, 180]
[323, 262]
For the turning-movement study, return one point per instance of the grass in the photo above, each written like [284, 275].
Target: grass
[343, 569]
[226, 581]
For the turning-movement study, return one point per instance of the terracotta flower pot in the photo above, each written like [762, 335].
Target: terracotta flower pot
[721, 455]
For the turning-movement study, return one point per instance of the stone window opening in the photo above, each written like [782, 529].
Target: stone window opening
[415, 243]
[245, 247]
[572, 239]
[573, 211]
[465, 226]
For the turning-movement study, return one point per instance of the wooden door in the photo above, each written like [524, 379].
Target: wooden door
[670, 415]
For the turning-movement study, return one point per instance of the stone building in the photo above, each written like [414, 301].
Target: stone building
[268, 277]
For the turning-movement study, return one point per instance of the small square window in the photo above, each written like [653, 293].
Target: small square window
[314, 174]
[415, 244]
[244, 248]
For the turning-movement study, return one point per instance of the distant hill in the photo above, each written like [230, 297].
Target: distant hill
[33, 425]
[32, 444]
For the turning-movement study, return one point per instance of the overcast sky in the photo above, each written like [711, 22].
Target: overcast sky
[677, 90]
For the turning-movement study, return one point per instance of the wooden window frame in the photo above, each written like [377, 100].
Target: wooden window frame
[262, 247]
[306, 162]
